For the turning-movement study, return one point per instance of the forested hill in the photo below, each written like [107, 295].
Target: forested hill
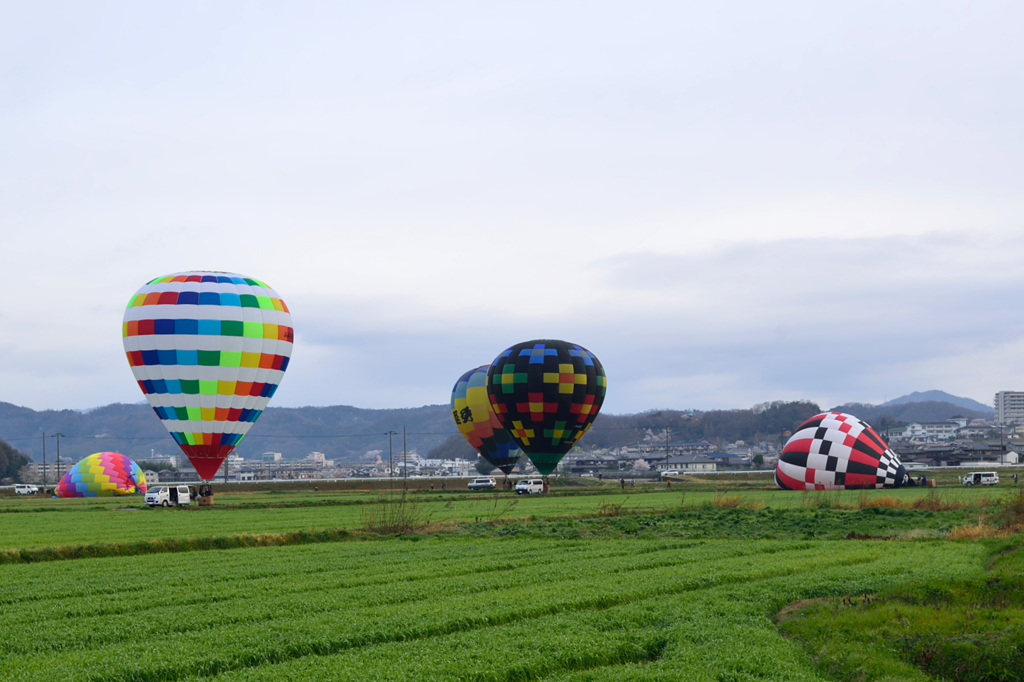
[767, 421]
[347, 433]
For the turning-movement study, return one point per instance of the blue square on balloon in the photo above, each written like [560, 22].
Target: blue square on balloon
[163, 326]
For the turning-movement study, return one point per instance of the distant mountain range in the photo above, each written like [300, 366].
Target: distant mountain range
[348, 434]
[941, 397]
[920, 406]
[341, 432]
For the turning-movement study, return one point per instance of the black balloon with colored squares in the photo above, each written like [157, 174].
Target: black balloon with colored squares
[546, 394]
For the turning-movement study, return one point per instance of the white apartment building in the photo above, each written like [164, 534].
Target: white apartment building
[946, 430]
[1009, 407]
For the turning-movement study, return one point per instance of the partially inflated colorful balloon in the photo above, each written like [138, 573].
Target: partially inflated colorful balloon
[546, 393]
[471, 410]
[837, 451]
[103, 474]
[208, 350]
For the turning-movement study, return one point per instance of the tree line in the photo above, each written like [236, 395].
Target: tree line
[11, 462]
[767, 421]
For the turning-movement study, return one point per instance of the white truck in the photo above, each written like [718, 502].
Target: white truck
[170, 496]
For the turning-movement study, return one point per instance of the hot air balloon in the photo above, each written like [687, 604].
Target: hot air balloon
[208, 350]
[471, 410]
[837, 451]
[102, 474]
[546, 394]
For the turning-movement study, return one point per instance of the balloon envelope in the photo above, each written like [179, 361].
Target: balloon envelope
[102, 474]
[546, 393]
[472, 412]
[837, 451]
[208, 350]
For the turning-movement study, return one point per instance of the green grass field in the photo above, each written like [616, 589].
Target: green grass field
[48, 523]
[586, 584]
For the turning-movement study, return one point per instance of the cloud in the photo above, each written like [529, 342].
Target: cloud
[852, 319]
[727, 205]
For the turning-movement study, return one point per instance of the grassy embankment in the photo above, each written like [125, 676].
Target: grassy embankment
[969, 629]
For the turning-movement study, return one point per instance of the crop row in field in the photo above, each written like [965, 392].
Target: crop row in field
[443, 608]
[85, 525]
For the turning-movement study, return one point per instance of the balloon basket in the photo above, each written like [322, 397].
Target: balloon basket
[206, 501]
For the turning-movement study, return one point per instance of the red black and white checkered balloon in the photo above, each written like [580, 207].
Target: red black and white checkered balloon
[836, 451]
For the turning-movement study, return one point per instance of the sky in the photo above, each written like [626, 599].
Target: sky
[728, 203]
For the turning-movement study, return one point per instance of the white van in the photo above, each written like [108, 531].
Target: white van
[25, 489]
[167, 496]
[530, 486]
[982, 478]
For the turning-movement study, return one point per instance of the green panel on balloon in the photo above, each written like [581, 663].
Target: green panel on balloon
[546, 461]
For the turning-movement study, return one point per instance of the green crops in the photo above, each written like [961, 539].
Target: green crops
[444, 608]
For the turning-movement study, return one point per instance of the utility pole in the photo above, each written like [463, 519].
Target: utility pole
[405, 461]
[58, 436]
[391, 466]
[44, 462]
[667, 431]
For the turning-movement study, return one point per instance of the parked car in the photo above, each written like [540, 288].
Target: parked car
[982, 478]
[484, 483]
[530, 486]
[25, 489]
[671, 472]
[170, 495]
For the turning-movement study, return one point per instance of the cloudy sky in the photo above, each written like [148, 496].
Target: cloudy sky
[728, 203]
